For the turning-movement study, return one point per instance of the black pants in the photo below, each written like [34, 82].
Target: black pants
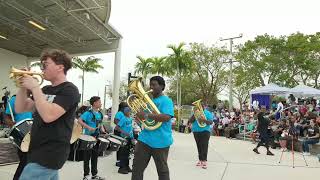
[264, 140]
[23, 162]
[142, 157]
[93, 156]
[202, 141]
[124, 153]
[117, 133]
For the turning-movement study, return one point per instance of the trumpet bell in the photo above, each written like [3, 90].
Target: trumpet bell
[16, 74]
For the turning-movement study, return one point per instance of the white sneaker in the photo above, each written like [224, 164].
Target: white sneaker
[306, 154]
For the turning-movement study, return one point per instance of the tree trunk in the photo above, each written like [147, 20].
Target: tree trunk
[178, 94]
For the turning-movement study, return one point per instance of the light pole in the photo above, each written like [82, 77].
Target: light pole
[130, 76]
[230, 75]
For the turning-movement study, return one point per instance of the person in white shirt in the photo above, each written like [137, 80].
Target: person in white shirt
[279, 110]
[255, 104]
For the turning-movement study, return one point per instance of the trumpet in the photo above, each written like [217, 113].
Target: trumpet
[16, 74]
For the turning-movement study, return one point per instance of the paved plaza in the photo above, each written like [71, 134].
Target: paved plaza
[227, 160]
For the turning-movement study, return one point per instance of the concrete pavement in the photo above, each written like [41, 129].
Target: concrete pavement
[227, 160]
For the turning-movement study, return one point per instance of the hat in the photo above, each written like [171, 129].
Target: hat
[126, 110]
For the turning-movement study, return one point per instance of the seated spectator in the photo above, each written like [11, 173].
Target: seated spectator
[312, 137]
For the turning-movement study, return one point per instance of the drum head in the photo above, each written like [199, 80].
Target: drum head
[114, 140]
[25, 143]
[103, 140]
[76, 131]
[118, 137]
[87, 138]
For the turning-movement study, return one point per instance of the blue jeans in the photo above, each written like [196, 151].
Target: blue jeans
[305, 144]
[35, 171]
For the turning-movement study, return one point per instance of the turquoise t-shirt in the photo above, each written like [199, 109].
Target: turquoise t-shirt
[119, 115]
[88, 118]
[161, 137]
[197, 128]
[17, 116]
[125, 124]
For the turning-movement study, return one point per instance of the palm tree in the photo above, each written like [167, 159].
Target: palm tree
[158, 65]
[182, 63]
[91, 64]
[143, 67]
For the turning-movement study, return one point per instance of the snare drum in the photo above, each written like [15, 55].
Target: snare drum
[102, 144]
[75, 155]
[19, 134]
[121, 139]
[86, 142]
[114, 144]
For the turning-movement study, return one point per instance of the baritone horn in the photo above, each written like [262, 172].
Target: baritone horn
[199, 113]
[16, 74]
[140, 101]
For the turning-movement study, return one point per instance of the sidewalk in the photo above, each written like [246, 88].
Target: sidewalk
[227, 160]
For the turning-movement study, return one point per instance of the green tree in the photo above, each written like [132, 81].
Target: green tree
[158, 65]
[143, 67]
[178, 63]
[209, 70]
[90, 64]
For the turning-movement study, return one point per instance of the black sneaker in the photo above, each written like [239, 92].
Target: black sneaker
[96, 177]
[270, 153]
[129, 169]
[123, 171]
[118, 163]
[256, 150]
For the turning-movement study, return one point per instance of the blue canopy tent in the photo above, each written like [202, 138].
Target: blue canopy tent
[263, 94]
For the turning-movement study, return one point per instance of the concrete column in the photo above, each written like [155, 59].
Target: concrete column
[116, 81]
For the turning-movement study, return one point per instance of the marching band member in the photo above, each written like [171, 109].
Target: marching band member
[202, 136]
[155, 143]
[12, 118]
[54, 115]
[118, 116]
[125, 127]
[90, 120]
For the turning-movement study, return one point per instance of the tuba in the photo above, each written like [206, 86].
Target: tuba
[140, 101]
[16, 74]
[198, 112]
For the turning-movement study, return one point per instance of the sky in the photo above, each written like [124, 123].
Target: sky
[148, 26]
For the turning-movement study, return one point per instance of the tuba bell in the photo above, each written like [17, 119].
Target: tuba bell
[140, 101]
[199, 113]
[16, 74]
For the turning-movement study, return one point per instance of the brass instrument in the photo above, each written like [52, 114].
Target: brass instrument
[16, 74]
[140, 101]
[199, 113]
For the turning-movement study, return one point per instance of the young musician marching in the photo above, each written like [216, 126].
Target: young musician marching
[124, 125]
[54, 115]
[90, 120]
[118, 116]
[202, 135]
[155, 143]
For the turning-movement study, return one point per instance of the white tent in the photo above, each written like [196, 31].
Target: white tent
[270, 89]
[303, 90]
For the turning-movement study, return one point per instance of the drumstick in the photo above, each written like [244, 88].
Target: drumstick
[11, 113]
